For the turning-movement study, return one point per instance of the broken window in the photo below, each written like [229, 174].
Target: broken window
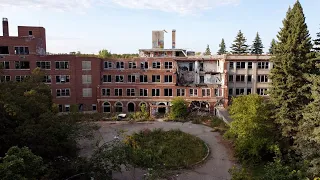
[230, 78]
[249, 65]
[22, 64]
[180, 92]
[144, 65]
[105, 92]
[120, 65]
[131, 78]
[263, 65]
[131, 92]
[63, 92]
[20, 78]
[155, 78]
[249, 78]
[201, 66]
[190, 66]
[167, 92]
[240, 78]
[5, 65]
[168, 78]
[4, 50]
[230, 92]
[201, 79]
[263, 78]
[143, 78]
[5, 78]
[47, 79]
[262, 92]
[241, 65]
[107, 78]
[44, 64]
[62, 79]
[132, 65]
[155, 92]
[143, 92]
[119, 78]
[205, 92]
[118, 92]
[21, 50]
[239, 91]
[248, 91]
[30, 33]
[200, 106]
[156, 65]
[230, 65]
[62, 64]
[168, 65]
[193, 92]
[107, 65]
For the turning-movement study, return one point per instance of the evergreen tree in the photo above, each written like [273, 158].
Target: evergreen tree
[222, 46]
[317, 43]
[239, 46]
[289, 91]
[272, 46]
[207, 52]
[257, 47]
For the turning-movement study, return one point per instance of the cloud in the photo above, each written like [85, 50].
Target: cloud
[182, 7]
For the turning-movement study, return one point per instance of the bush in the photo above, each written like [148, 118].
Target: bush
[179, 109]
[142, 115]
[239, 174]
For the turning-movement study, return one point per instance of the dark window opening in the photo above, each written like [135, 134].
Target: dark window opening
[22, 64]
[5, 65]
[201, 66]
[190, 66]
[4, 50]
[30, 33]
[21, 50]
[201, 79]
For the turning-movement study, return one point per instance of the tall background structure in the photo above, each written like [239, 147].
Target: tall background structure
[157, 39]
[173, 39]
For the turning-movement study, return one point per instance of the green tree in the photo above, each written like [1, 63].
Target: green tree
[179, 108]
[252, 128]
[291, 61]
[104, 54]
[239, 46]
[317, 43]
[207, 52]
[222, 49]
[257, 46]
[21, 164]
[272, 46]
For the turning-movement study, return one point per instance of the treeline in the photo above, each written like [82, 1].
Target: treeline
[281, 135]
[102, 54]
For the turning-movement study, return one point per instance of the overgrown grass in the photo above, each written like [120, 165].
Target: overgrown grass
[160, 149]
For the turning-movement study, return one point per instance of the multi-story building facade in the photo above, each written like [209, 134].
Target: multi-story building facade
[123, 85]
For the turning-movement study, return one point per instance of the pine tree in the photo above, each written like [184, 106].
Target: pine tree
[317, 43]
[291, 60]
[272, 46]
[257, 46]
[239, 46]
[207, 52]
[222, 49]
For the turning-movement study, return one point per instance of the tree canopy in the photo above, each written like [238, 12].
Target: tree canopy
[257, 46]
[207, 52]
[239, 45]
[222, 49]
[273, 45]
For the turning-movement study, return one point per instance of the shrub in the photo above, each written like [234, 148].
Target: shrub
[179, 109]
[239, 174]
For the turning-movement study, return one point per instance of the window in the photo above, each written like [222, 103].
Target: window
[63, 92]
[201, 79]
[22, 64]
[263, 65]
[241, 65]
[5, 78]
[230, 65]
[62, 79]
[168, 78]
[105, 92]
[201, 66]
[217, 92]
[262, 92]
[249, 78]
[86, 79]
[167, 92]
[230, 78]
[107, 65]
[131, 78]
[21, 50]
[30, 33]
[193, 92]
[94, 107]
[155, 92]
[130, 92]
[156, 65]
[87, 92]
[47, 79]
[132, 65]
[119, 78]
[180, 92]
[86, 65]
[143, 92]
[20, 78]
[44, 64]
[168, 65]
[118, 92]
[155, 78]
[4, 50]
[205, 92]
[118, 106]
[230, 92]
[239, 91]
[107, 78]
[62, 64]
[249, 65]
[190, 66]
[120, 65]
[248, 91]
[263, 78]
[67, 108]
[106, 107]
[143, 78]
[5, 65]
[240, 78]
[60, 108]
[144, 65]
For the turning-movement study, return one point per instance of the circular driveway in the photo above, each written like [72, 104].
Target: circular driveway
[215, 167]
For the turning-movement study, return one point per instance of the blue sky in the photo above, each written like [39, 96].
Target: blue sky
[124, 26]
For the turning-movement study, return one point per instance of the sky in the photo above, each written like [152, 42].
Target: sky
[125, 26]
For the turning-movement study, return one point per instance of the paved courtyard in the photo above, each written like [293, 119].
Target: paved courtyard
[215, 167]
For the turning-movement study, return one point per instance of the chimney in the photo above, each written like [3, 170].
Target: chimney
[173, 39]
[5, 27]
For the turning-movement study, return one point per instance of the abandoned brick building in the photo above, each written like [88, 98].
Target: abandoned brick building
[123, 85]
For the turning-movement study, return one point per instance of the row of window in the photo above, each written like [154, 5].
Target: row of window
[241, 78]
[156, 92]
[241, 91]
[47, 78]
[133, 65]
[242, 65]
[40, 64]
[133, 78]
[66, 107]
